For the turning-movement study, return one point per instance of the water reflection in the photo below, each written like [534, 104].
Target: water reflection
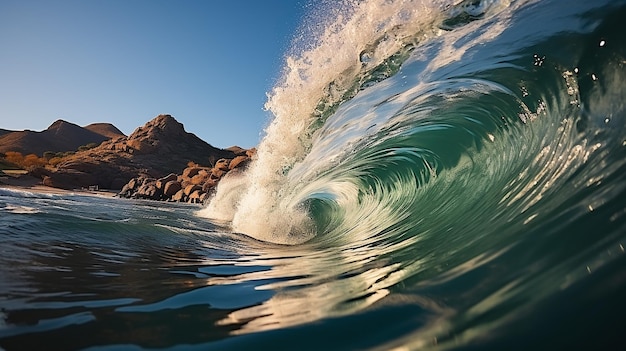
[66, 270]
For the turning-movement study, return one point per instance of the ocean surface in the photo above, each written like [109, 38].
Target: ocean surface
[437, 175]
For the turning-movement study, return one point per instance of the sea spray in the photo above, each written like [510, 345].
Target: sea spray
[362, 43]
[468, 192]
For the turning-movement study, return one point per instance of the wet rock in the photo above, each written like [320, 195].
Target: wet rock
[160, 183]
[239, 161]
[191, 188]
[179, 196]
[195, 196]
[171, 188]
[222, 164]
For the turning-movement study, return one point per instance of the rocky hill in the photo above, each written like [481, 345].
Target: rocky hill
[61, 136]
[107, 129]
[159, 148]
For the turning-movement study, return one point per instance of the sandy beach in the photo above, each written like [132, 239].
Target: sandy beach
[25, 182]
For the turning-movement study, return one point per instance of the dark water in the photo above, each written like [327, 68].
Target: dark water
[455, 179]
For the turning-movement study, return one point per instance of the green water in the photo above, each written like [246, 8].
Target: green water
[471, 198]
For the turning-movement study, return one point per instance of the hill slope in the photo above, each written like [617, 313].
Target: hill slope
[160, 147]
[105, 129]
[59, 136]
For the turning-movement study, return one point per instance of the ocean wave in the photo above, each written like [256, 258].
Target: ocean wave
[471, 135]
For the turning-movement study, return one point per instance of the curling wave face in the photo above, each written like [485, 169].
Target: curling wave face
[429, 94]
[437, 175]
[450, 137]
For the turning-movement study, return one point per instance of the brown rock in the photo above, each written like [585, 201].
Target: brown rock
[141, 146]
[191, 188]
[146, 180]
[238, 151]
[199, 179]
[189, 172]
[194, 197]
[160, 183]
[209, 184]
[148, 190]
[160, 147]
[179, 196]
[217, 173]
[222, 164]
[125, 192]
[239, 161]
[171, 188]
[132, 183]
[184, 183]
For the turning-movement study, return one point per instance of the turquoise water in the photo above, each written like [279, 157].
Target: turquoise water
[448, 176]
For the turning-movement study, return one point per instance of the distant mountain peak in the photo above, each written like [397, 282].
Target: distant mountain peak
[60, 123]
[165, 122]
[159, 147]
[161, 125]
[60, 136]
[105, 129]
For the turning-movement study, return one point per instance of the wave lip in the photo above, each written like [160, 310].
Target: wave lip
[356, 46]
[484, 144]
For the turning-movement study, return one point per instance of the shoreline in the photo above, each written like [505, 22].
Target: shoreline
[32, 184]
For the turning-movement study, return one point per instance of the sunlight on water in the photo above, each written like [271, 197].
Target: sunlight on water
[437, 175]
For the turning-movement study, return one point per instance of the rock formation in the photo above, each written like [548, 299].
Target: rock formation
[160, 147]
[107, 129]
[195, 184]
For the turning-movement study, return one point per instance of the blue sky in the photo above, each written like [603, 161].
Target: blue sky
[208, 63]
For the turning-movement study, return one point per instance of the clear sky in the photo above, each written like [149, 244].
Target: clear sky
[208, 63]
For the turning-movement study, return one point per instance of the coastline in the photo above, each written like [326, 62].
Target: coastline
[32, 184]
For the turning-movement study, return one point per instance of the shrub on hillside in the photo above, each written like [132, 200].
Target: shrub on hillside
[87, 147]
[28, 162]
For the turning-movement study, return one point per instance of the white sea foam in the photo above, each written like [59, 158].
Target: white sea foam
[19, 209]
[354, 38]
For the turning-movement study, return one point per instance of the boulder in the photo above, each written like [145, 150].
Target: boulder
[133, 183]
[191, 188]
[209, 184]
[222, 164]
[238, 151]
[201, 177]
[217, 173]
[190, 172]
[194, 197]
[171, 188]
[125, 192]
[239, 161]
[179, 196]
[160, 183]
[130, 188]
[147, 180]
[148, 190]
